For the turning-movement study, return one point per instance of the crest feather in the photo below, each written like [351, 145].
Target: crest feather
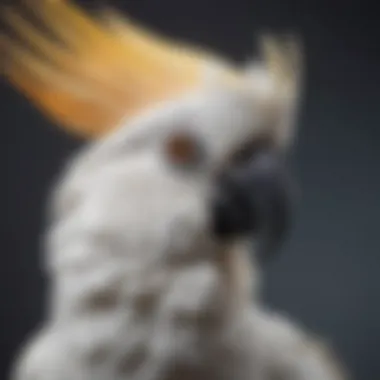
[88, 73]
[284, 60]
[96, 71]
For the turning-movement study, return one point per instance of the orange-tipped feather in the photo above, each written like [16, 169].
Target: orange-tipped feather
[104, 70]
[96, 72]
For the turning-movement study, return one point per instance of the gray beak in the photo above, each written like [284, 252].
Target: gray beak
[254, 199]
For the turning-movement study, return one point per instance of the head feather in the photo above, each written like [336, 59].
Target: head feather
[97, 71]
[90, 73]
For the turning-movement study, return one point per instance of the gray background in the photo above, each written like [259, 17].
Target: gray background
[328, 274]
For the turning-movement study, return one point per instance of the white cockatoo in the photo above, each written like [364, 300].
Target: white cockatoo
[148, 250]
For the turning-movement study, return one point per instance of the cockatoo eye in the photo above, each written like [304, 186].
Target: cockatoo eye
[184, 150]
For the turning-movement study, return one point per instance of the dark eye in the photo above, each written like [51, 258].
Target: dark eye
[184, 150]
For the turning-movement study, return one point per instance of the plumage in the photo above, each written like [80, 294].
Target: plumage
[142, 284]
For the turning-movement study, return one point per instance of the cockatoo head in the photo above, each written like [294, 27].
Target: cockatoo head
[189, 147]
[194, 174]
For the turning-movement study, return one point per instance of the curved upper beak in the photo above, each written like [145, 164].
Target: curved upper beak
[254, 199]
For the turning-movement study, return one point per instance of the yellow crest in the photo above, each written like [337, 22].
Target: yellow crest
[88, 73]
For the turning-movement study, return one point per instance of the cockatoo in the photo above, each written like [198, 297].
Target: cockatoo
[148, 250]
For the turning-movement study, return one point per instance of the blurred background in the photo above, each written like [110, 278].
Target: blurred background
[328, 276]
